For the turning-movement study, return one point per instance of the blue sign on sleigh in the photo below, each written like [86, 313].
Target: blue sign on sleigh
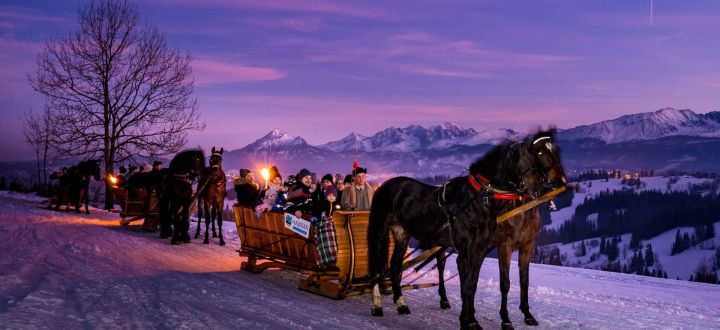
[297, 225]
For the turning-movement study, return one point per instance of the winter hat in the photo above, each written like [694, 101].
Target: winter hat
[303, 173]
[122, 170]
[359, 170]
[330, 190]
[244, 172]
[328, 177]
[348, 179]
[156, 163]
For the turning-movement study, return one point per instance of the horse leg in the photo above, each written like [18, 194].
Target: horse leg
[468, 263]
[208, 220]
[526, 253]
[504, 256]
[441, 259]
[176, 219]
[199, 216]
[87, 200]
[165, 218]
[218, 210]
[185, 220]
[401, 242]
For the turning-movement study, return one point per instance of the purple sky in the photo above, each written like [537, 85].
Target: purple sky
[322, 69]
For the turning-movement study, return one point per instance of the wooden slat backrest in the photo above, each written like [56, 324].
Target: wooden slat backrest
[268, 237]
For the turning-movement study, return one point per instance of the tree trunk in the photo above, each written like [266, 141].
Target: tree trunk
[109, 165]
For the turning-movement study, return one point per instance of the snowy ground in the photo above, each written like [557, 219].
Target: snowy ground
[61, 270]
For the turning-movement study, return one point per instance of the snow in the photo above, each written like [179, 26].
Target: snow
[62, 270]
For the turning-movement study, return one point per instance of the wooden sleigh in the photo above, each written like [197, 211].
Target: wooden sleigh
[268, 244]
[134, 205]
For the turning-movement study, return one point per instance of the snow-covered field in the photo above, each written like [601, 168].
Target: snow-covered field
[61, 270]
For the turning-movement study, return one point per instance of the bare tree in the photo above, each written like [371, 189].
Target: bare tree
[36, 135]
[116, 89]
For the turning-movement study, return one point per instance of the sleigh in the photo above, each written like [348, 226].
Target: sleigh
[135, 205]
[267, 243]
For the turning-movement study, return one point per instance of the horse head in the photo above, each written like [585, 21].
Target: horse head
[191, 162]
[539, 166]
[216, 158]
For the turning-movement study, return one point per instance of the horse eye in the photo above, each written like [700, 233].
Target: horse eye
[540, 153]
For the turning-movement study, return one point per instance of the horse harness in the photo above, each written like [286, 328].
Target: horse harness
[485, 190]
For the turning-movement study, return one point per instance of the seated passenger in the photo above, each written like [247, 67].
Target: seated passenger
[270, 193]
[246, 188]
[299, 198]
[358, 196]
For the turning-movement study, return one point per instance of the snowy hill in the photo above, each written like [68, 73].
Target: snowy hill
[648, 126]
[681, 265]
[62, 270]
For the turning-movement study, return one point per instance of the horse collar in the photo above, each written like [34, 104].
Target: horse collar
[483, 186]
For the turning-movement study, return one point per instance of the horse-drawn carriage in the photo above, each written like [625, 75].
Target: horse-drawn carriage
[135, 204]
[267, 243]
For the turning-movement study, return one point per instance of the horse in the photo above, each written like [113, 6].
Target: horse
[175, 194]
[75, 183]
[517, 233]
[460, 214]
[211, 196]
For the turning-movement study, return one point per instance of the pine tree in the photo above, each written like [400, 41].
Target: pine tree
[583, 249]
[709, 231]
[602, 245]
[649, 255]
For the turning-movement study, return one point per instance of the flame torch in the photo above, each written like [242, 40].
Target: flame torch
[265, 173]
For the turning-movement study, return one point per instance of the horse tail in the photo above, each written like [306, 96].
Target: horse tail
[378, 233]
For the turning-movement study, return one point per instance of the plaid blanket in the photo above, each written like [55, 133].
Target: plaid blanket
[326, 241]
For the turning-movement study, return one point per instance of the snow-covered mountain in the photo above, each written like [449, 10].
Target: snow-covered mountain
[666, 139]
[648, 126]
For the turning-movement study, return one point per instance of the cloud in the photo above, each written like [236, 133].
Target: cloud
[214, 72]
[356, 9]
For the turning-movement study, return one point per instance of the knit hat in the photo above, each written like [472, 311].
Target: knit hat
[359, 170]
[328, 177]
[330, 190]
[274, 173]
[303, 173]
[348, 179]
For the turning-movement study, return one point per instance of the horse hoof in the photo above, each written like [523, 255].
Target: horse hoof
[471, 326]
[222, 243]
[404, 310]
[173, 242]
[531, 321]
[206, 242]
[214, 235]
[507, 326]
[444, 304]
[87, 212]
[197, 235]
[378, 311]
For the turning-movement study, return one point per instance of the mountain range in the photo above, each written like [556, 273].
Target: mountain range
[666, 139]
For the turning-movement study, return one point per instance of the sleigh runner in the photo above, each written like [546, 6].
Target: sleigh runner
[267, 243]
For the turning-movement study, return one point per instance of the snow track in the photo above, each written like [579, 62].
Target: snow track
[62, 270]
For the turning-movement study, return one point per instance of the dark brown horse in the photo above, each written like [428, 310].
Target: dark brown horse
[211, 196]
[176, 194]
[460, 214]
[75, 183]
[519, 233]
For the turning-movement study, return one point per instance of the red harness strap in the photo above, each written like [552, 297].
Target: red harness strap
[475, 181]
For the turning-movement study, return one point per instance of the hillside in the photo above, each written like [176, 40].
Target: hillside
[681, 265]
[62, 270]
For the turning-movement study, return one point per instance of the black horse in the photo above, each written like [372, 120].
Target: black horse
[175, 194]
[211, 196]
[460, 214]
[517, 233]
[75, 183]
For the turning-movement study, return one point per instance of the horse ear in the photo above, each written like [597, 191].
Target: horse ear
[221, 150]
[213, 150]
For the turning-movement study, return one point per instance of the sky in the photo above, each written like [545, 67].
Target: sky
[322, 69]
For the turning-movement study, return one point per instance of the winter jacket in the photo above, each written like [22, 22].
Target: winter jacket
[247, 192]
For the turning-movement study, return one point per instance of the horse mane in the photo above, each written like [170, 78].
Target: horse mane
[185, 156]
[487, 164]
